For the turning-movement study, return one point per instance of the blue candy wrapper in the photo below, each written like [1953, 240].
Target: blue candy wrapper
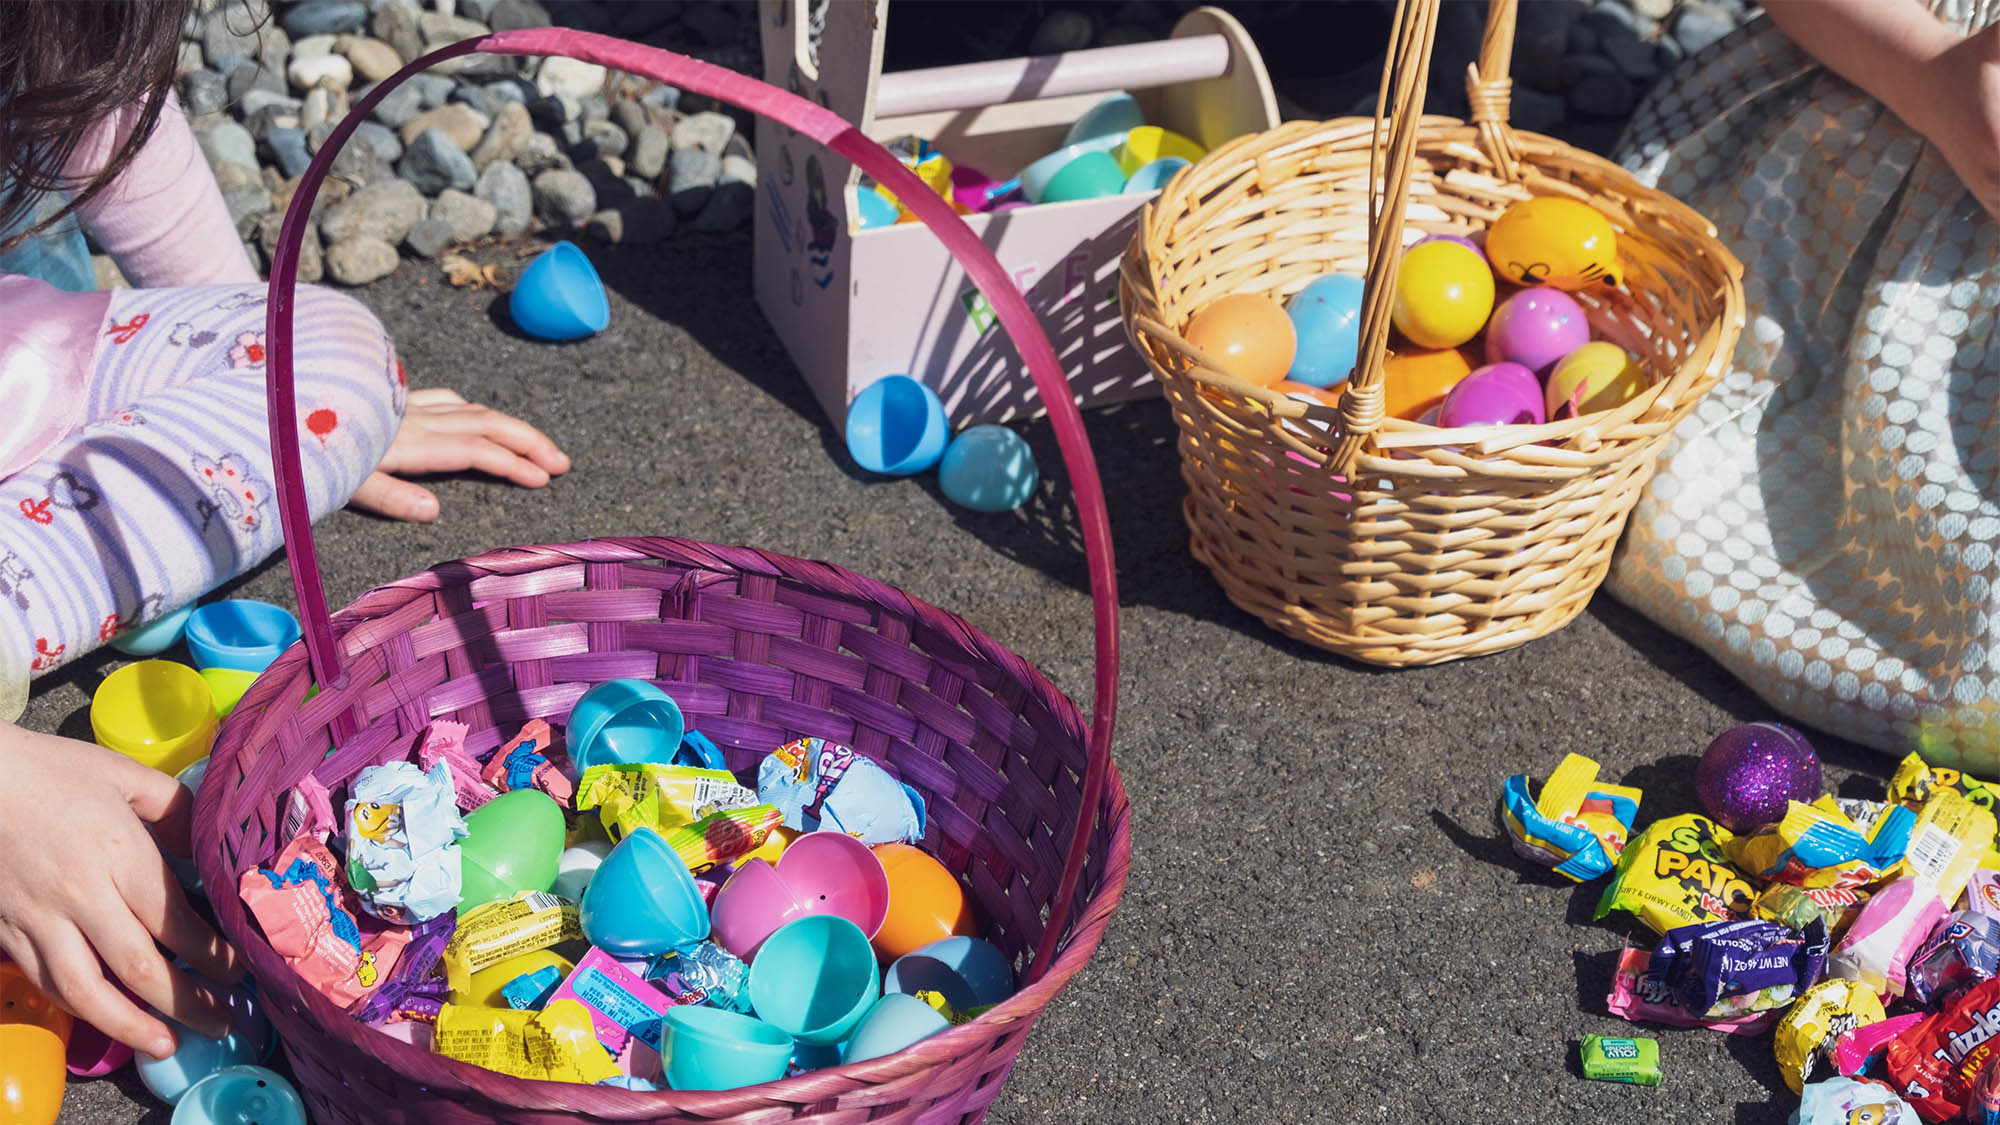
[824, 786]
[403, 830]
[706, 974]
[532, 990]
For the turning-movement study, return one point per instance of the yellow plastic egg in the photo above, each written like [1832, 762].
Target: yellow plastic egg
[1249, 334]
[1415, 381]
[1596, 376]
[1444, 293]
[1556, 242]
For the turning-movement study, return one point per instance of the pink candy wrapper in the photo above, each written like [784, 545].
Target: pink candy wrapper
[1861, 1049]
[308, 811]
[1982, 892]
[532, 757]
[309, 919]
[1632, 998]
[446, 739]
[622, 1006]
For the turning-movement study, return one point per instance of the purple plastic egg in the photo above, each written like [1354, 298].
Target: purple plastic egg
[1458, 238]
[971, 188]
[1751, 774]
[1496, 394]
[1536, 328]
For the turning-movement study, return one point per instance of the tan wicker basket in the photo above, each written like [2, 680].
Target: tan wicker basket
[1386, 540]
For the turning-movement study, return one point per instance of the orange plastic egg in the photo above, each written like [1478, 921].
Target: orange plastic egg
[34, 1034]
[1415, 381]
[1556, 242]
[1248, 334]
[926, 903]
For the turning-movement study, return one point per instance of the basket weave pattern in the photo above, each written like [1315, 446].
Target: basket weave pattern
[758, 649]
[1378, 538]
[1023, 802]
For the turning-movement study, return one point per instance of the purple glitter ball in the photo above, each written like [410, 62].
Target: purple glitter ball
[1750, 775]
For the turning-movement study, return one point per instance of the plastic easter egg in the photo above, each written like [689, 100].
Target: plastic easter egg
[926, 903]
[1248, 334]
[1535, 328]
[1114, 116]
[1497, 394]
[1326, 320]
[515, 843]
[972, 190]
[1444, 293]
[196, 1057]
[1455, 238]
[1556, 242]
[1148, 143]
[1092, 175]
[988, 468]
[1155, 175]
[1416, 381]
[34, 1033]
[1597, 376]
[1034, 179]
[559, 296]
[241, 1095]
[156, 637]
[643, 900]
[156, 712]
[896, 426]
[576, 865]
[624, 720]
[894, 1022]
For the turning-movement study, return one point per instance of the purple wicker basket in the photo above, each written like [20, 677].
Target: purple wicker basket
[1024, 803]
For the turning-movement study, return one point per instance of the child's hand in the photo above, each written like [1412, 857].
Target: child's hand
[443, 433]
[1965, 113]
[83, 887]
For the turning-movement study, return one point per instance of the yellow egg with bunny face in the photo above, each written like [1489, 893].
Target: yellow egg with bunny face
[1556, 242]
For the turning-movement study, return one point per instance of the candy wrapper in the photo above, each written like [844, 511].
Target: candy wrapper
[1633, 1061]
[1983, 1107]
[723, 837]
[493, 932]
[1675, 874]
[1808, 1032]
[403, 830]
[1950, 838]
[531, 760]
[1982, 892]
[1963, 950]
[621, 1004]
[444, 741]
[930, 165]
[1575, 825]
[307, 917]
[631, 795]
[532, 990]
[1915, 782]
[1934, 1062]
[555, 1044]
[308, 811]
[1818, 845]
[1849, 1101]
[706, 974]
[1865, 1049]
[824, 786]
[1641, 997]
[415, 967]
[1719, 970]
[1794, 907]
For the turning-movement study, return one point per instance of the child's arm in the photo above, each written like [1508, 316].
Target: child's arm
[162, 220]
[84, 893]
[1945, 86]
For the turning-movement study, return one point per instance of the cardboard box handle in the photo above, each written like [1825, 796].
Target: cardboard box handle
[1133, 66]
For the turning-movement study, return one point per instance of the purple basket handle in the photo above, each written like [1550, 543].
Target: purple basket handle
[830, 130]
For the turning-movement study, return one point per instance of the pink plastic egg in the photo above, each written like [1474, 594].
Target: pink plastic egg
[1496, 394]
[1536, 328]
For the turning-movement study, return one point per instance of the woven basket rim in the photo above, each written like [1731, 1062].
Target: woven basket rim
[288, 677]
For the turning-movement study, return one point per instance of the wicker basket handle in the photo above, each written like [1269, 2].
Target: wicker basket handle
[1399, 111]
[823, 126]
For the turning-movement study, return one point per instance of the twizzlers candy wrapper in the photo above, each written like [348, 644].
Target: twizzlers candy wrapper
[1675, 874]
[1935, 1062]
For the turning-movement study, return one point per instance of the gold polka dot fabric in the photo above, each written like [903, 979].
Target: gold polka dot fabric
[1827, 523]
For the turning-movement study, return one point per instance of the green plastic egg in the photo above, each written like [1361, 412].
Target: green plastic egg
[515, 844]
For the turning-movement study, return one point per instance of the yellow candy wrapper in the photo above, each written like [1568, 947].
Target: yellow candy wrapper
[489, 934]
[555, 1044]
[930, 165]
[1915, 781]
[724, 837]
[1807, 1033]
[1796, 907]
[660, 797]
[1952, 835]
[1575, 825]
[1819, 845]
[1676, 874]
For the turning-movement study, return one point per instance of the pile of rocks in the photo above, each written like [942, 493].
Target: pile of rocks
[478, 146]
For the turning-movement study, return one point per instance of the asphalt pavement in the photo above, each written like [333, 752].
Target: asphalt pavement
[1322, 922]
